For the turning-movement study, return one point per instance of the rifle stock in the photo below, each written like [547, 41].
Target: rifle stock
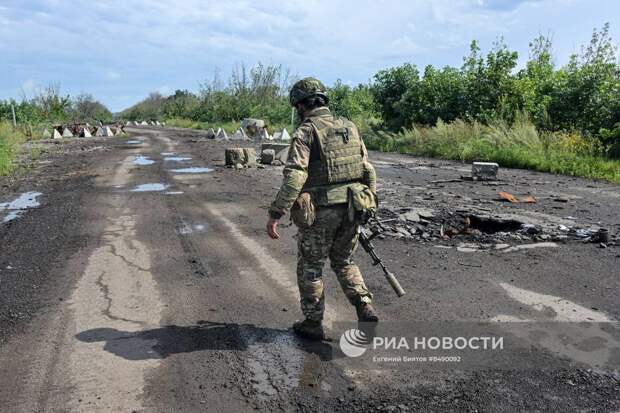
[366, 243]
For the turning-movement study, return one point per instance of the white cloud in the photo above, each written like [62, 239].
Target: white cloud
[139, 45]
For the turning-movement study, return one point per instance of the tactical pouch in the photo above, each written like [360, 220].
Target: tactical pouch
[362, 203]
[303, 212]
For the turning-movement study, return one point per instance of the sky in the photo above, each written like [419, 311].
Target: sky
[121, 50]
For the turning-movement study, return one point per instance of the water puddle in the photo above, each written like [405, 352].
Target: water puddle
[143, 160]
[186, 229]
[174, 192]
[19, 205]
[193, 170]
[134, 142]
[167, 153]
[150, 188]
[177, 158]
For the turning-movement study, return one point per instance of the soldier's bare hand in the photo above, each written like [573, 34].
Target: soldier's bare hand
[272, 228]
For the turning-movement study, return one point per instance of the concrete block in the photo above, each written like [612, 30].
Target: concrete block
[234, 156]
[484, 171]
[46, 134]
[280, 149]
[249, 155]
[66, 133]
[262, 135]
[282, 136]
[239, 135]
[221, 135]
[267, 156]
[211, 133]
[104, 131]
[56, 134]
[85, 133]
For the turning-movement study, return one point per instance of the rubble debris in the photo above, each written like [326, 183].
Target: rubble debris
[528, 199]
[267, 156]
[484, 171]
[221, 135]
[280, 149]
[602, 236]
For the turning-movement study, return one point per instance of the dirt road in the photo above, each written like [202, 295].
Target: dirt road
[141, 281]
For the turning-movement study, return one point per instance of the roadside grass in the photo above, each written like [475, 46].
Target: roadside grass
[518, 145]
[230, 127]
[10, 141]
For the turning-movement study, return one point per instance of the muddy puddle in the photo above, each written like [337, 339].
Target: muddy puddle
[153, 187]
[192, 170]
[19, 205]
[187, 229]
[177, 158]
[143, 160]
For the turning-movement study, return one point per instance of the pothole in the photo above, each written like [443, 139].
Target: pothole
[491, 225]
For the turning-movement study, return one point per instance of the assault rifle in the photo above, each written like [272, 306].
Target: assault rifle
[366, 242]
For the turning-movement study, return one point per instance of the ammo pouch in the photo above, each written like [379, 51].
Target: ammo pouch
[362, 203]
[303, 211]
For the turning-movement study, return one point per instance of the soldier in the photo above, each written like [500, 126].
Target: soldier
[326, 175]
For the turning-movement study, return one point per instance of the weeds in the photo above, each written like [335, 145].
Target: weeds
[10, 140]
[518, 145]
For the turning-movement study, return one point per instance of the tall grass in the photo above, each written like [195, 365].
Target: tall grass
[10, 141]
[517, 145]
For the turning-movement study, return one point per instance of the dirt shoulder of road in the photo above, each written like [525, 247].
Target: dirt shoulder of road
[38, 242]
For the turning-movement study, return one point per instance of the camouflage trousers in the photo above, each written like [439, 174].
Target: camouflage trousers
[333, 236]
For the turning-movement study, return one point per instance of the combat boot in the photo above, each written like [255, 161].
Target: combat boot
[366, 313]
[310, 329]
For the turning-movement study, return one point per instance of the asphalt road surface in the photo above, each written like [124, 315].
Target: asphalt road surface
[132, 283]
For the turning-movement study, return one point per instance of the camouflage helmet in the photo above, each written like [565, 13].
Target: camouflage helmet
[306, 88]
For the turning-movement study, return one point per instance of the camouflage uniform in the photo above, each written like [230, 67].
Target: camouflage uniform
[332, 234]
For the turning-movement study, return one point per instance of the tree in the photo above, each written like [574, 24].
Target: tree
[390, 87]
[87, 109]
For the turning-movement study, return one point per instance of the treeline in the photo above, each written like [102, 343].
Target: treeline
[582, 96]
[259, 92]
[49, 105]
